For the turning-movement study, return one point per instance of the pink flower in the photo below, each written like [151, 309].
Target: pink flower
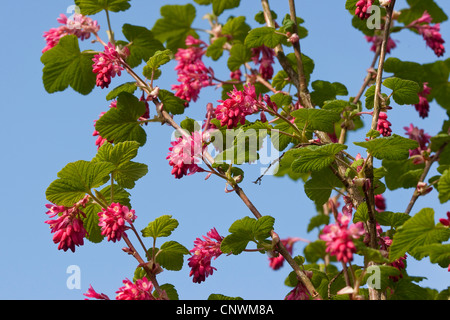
[112, 221]
[380, 202]
[264, 57]
[203, 252]
[233, 110]
[80, 26]
[68, 228]
[277, 262]
[361, 9]
[91, 293]
[106, 65]
[422, 138]
[141, 290]
[100, 140]
[384, 126]
[192, 72]
[423, 106]
[339, 238]
[377, 40]
[431, 34]
[446, 222]
[300, 292]
[185, 153]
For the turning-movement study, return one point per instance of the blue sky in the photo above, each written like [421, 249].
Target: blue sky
[43, 132]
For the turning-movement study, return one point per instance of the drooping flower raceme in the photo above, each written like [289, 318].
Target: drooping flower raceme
[362, 6]
[300, 292]
[100, 140]
[107, 64]
[264, 57]
[80, 25]
[140, 290]
[414, 133]
[193, 75]
[112, 221]
[202, 254]
[383, 125]
[339, 237]
[423, 107]
[68, 227]
[377, 40]
[431, 34]
[185, 154]
[240, 104]
[277, 262]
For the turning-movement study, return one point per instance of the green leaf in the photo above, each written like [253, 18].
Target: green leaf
[316, 119]
[65, 65]
[444, 186]
[324, 91]
[239, 55]
[316, 158]
[263, 36]
[404, 91]
[174, 25]
[76, 179]
[362, 213]
[91, 7]
[245, 230]
[121, 123]
[219, 6]
[143, 44]
[438, 253]
[215, 49]
[170, 290]
[394, 147]
[170, 255]
[218, 296]
[90, 222]
[237, 28]
[405, 70]
[419, 230]
[392, 219]
[402, 173]
[129, 87]
[319, 187]
[171, 103]
[314, 251]
[418, 7]
[159, 58]
[160, 227]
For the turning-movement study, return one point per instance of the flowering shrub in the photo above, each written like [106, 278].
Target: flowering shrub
[268, 94]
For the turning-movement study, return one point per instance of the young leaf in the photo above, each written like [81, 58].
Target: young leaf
[444, 186]
[419, 230]
[324, 91]
[160, 227]
[404, 91]
[316, 158]
[316, 119]
[219, 6]
[392, 219]
[239, 55]
[438, 253]
[121, 123]
[319, 187]
[215, 49]
[237, 28]
[143, 44]
[263, 36]
[90, 222]
[91, 7]
[402, 173]
[171, 103]
[76, 179]
[170, 255]
[394, 147]
[65, 65]
[129, 87]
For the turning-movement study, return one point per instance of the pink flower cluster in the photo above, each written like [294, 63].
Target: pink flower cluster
[422, 138]
[192, 72]
[431, 34]
[203, 252]
[107, 64]
[68, 228]
[141, 290]
[339, 237]
[112, 221]
[277, 262]
[361, 9]
[185, 154]
[423, 107]
[377, 40]
[264, 57]
[300, 292]
[233, 110]
[383, 125]
[80, 26]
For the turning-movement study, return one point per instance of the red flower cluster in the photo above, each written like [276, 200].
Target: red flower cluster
[203, 252]
[383, 125]
[112, 221]
[80, 26]
[423, 107]
[141, 290]
[264, 57]
[361, 9]
[192, 72]
[422, 138]
[107, 64]
[68, 227]
[277, 262]
[431, 34]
